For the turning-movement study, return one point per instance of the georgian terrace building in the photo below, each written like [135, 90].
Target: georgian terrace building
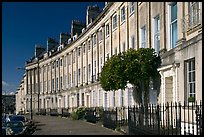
[66, 74]
[21, 97]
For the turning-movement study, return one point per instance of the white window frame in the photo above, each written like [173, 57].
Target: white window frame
[41, 85]
[130, 97]
[107, 30]
[73, 56]
[53, 84]
[156, 33]
[171, 46]
[114, 22]
[61, 82]
[53, 66]
[65, 61]
[94, 40]
[94, 98]
[101, 63]
[49, 82]
[79, 74]
[79, 51]
[89, 71]
[73, 80]
[132, 42]
[82, 99]
[94, 73]
[122, 14]
[194, 13]
[84, 48]
[189, 72]
[57, 63]
[84, 77]
[61, 62]
[100, 35]
[105, 100]
[113, 98]
[57, 83]
[143, 37]
[132, 8]
[89, 45]
[70, 79]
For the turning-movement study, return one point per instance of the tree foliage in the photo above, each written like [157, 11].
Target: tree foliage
[112, 75]
[131, 66]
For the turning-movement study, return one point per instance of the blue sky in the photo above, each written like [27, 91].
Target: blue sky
[25, 24]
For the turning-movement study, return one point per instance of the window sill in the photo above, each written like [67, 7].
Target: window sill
[131, 13]
[114, 29]
[122, 22]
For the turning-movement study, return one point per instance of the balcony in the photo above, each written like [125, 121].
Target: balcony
[192, 22]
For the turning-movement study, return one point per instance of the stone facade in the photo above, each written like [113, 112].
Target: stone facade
[70, 77]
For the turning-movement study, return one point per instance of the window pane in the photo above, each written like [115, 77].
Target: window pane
[193, 76]
[115, 21]
[189, 77]
[174, 34]
[191, 88]
[143, 37]
[131, 7]
[189, 66]
[174, 12]
[193, 65]
[122, 14]
[158, 23]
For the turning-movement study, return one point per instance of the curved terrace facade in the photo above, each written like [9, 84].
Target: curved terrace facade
[66, 74]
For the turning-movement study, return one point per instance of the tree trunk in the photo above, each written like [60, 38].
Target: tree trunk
[146, 100]
[137, 96]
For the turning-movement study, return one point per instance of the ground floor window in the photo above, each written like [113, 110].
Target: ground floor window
[190, 80]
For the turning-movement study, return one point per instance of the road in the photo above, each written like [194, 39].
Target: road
[53, 125]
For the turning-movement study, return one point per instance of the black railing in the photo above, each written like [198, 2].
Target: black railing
[54, 112]
[162, 119]
[65, 112]
[42, 112]
[90, 115]
[110, 118]
[166, 119]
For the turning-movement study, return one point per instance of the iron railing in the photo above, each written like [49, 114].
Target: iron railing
[162, 119]
[170, 118]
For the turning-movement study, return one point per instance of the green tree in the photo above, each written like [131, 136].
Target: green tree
[141, 66]
[136, 67]
[133, 66]
[112, 75]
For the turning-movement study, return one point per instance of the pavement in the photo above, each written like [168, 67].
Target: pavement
[55, 125]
